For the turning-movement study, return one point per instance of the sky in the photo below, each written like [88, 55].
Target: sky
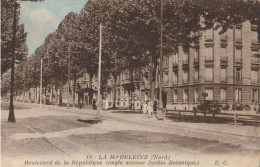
[42, 18]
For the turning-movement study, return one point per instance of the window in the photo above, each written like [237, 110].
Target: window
[165, 61]
[176, 58]
[254, 76]
[126, 74]
[209, 53]
[238, 74]
[165, 78]
[238, 95]
[185, 95]
[209, 91]
[196, 95]
[146, 96]
[254, 95]
[185, 76]
[209, 74]
[185, 58]
[209, 34]
[196, 75]
[238, 55]
[238, 33]
[175, 77]
[223, 75]
[223, 94]
[175, 96]
[196, 53]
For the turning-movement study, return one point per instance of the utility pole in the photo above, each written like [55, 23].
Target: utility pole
[41, 87]
[11, 117]
[99, 100]
[68, 93]
[161, 59]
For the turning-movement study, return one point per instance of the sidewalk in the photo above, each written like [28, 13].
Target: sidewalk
[237, 130]
[227, 129]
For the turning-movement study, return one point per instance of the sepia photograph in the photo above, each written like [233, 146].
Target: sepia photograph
[130, 83]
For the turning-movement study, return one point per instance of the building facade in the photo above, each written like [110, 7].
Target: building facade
[225, 66]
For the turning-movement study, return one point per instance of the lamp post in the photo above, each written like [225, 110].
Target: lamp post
[160, 63]
[68, 93]
[68, 85]
[99, 107]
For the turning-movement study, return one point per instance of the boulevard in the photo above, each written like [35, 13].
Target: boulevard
[53, 131]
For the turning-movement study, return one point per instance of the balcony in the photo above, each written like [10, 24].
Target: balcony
[223, 101]
[254, 81]
[238, 26]
[209, 40]
[165, 66]
[125, 81]
[224, 41]
[196, 62]
[209, 79]
[166, 83]
[185, 63]
[185, 100]
[253, 27]
[223, 79]
[238, 62]
[185, 80]
[223, 61]
[255, 63]
[175, 82]
[209, 61]
[255, 45]
[238, 43]
[175, 65]
[146, 85]
[196, 79]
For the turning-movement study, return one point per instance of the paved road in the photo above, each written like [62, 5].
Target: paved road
[55, 132]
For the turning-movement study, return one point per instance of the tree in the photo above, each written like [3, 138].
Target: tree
[7, 17]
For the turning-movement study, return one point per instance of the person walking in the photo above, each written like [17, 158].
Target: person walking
[150, 109]
[144, 108]
[94, 104]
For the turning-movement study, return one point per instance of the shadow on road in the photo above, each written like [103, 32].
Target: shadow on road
[128, 112]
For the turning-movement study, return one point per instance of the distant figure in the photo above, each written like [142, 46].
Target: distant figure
[145, 108]
[94, 104]
[155, 105]
[150, 109]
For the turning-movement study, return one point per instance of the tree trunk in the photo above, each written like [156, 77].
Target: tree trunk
[91, 90]
[45, 95]
[56, 93]
[74, 89]
[114, 90]
[60, 99]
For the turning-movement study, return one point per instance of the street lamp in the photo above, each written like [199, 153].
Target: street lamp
[161, 57]
[99, 106]
[68, 90]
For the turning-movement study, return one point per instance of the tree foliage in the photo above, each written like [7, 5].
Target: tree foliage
[7, 21]
[130, 35]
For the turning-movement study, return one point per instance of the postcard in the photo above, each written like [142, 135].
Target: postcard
[137, 83]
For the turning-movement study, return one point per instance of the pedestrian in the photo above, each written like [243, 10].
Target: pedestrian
[155, 105]
[94, 104]
[150, 109]
[144, 108]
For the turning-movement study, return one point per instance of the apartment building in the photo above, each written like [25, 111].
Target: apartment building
[119, 90]
[226, 67]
